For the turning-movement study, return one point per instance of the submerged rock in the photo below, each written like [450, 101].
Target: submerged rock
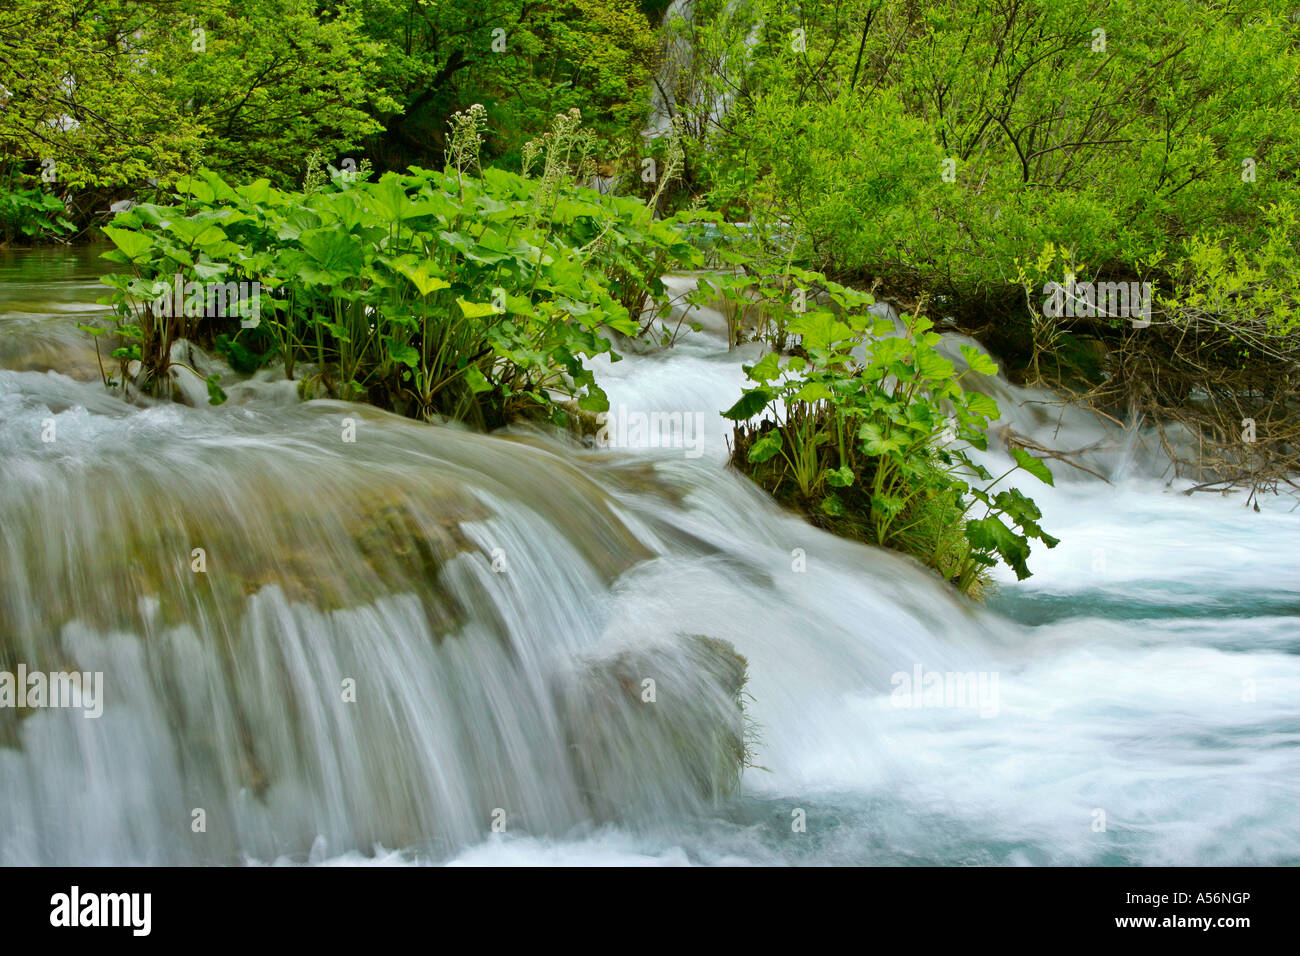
[657, 730]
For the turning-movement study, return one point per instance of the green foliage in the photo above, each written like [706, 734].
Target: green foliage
[118, 92]
[1251, 290]
[869, 426]
[525, 62]
[970, 153]
[121, 95]
[276, 79]
[938, 147]
[475, 297]
[31, 214]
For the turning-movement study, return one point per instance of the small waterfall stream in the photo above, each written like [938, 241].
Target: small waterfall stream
[405, 638]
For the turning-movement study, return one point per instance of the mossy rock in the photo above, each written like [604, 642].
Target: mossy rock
[657, 730]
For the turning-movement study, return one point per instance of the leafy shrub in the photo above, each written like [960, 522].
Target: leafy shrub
[941, 148]
[33, 214]
[471, 296]
[869, 429]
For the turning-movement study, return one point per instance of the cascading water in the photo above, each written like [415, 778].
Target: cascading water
[676, 89]
[399, 635]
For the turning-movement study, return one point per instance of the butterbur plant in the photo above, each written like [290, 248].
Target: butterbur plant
[564, 153]
[435, 294]
[866, 426]
[465, 140]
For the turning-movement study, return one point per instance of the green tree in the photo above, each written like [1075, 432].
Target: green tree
[524, 62]
[113, 93]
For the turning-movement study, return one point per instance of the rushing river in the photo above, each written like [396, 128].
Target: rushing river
[328, 634]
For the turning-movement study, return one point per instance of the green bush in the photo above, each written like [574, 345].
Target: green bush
[31, 214]
[876, 446]
[472, 296]
[971, 153]
[937, 147]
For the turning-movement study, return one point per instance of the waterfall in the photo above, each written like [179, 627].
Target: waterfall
[342, 635]
[677, 86]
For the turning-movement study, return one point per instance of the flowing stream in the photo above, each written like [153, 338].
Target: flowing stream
[329, 634]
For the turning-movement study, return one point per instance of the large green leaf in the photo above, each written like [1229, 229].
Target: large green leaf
[983, 405]
[813, 392]
[405, 354]
[841, 477]
[933, 366]
[819, 330]
[196, 232]
[133, 244]
[766, 369]
[750, 404]
[476, 380]
[331, 252]
[765, 447]
[475, 310]
[387, 199]
[1034, 466]
[979, 361]
[421, 276]
[990, 534]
